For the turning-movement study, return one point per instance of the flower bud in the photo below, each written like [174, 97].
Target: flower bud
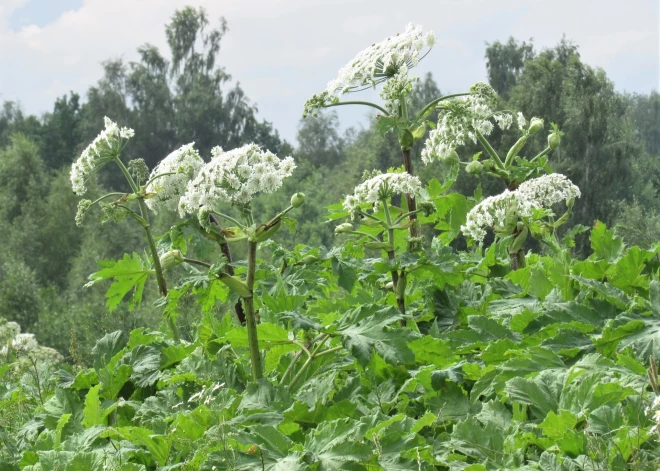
[474, 167]
[171, 259]
[553, 140]
[344, 228]
[570, 202]
[389, 285]
[298, 200]
[307, 260]
[451, 158]
[535, 125]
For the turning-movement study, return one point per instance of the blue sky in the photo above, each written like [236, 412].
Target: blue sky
[40, 12]
[283, 51]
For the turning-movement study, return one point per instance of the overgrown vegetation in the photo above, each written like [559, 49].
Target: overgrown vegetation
[244, 314]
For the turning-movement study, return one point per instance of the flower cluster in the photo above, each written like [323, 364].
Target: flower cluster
[463, 119]
[235, 177]
[25, 345]
[169, 178]
[397, 88]
[548, 190]
[375, 64]
[538, 193]
[104, 148]
[379, 188]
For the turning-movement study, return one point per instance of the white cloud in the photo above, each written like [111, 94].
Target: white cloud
[284, 51]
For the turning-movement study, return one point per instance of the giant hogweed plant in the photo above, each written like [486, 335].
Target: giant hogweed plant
[385, 352]
[463, 117]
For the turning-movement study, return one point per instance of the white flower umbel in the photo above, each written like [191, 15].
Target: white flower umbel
[376, 64]
[106, 147]
[235, 177]
[490, 212]
[184, 163]
[380, 188]
[537, 193]
[461, 119]
[548, 190]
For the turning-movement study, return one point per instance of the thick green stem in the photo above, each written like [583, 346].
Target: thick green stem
[226, 251]
[489, 149]
[365, 103]
[410, 198]
[250, 316]
[162, 284]
[400, 301]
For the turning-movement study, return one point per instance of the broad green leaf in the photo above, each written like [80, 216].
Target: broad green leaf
[605, 243]
[370, 328]
[128, 274]
[93, 413]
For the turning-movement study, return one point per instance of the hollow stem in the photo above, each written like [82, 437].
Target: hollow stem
[489, 149]
[155, 177]
[162, 284]
[432, 104]
[226, 251]
[251, 320]
[541, 154]
[390, 254]
[193, 261]
[410, 198]
[364, 103]
[309, 360]
[228, 218]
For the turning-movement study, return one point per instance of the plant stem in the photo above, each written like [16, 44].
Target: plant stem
[309, 360]
[489, 149]
[253, 339]
[364, 234]
[226, 251]
[390, 254]
[438, 100]
[193, 261]
[541, 154]
[162, 284]
[410, 198]
[365, 103]
[228, 218]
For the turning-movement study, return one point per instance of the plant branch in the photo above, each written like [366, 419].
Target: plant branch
[489, 149]
[365, 103]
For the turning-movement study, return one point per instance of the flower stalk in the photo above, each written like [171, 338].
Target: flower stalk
[250, 315]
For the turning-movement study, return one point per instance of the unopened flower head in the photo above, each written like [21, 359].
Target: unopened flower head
[376, 64]
[380, 188]
[537, 193]
[463, 119]
[107, 146]
[235, 177]
[184, 165]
